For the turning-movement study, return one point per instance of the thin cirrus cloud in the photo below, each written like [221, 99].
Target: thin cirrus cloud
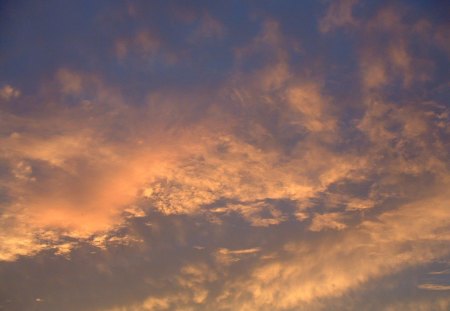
[224, 156]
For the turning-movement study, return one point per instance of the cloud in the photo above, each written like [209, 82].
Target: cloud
[7, 92]
[339, 14]
[428, 286]
[207, 157]
[332, 268]
[327, 221]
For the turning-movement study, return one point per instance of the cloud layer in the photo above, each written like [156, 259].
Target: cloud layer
[224, 156]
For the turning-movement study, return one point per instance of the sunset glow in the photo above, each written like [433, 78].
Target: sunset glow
[224, 155]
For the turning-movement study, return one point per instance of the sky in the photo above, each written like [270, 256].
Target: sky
[224, 155]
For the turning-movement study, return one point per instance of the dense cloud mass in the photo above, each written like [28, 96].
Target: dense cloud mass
[224, 155]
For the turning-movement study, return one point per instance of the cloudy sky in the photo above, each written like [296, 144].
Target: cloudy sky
[224, 155]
